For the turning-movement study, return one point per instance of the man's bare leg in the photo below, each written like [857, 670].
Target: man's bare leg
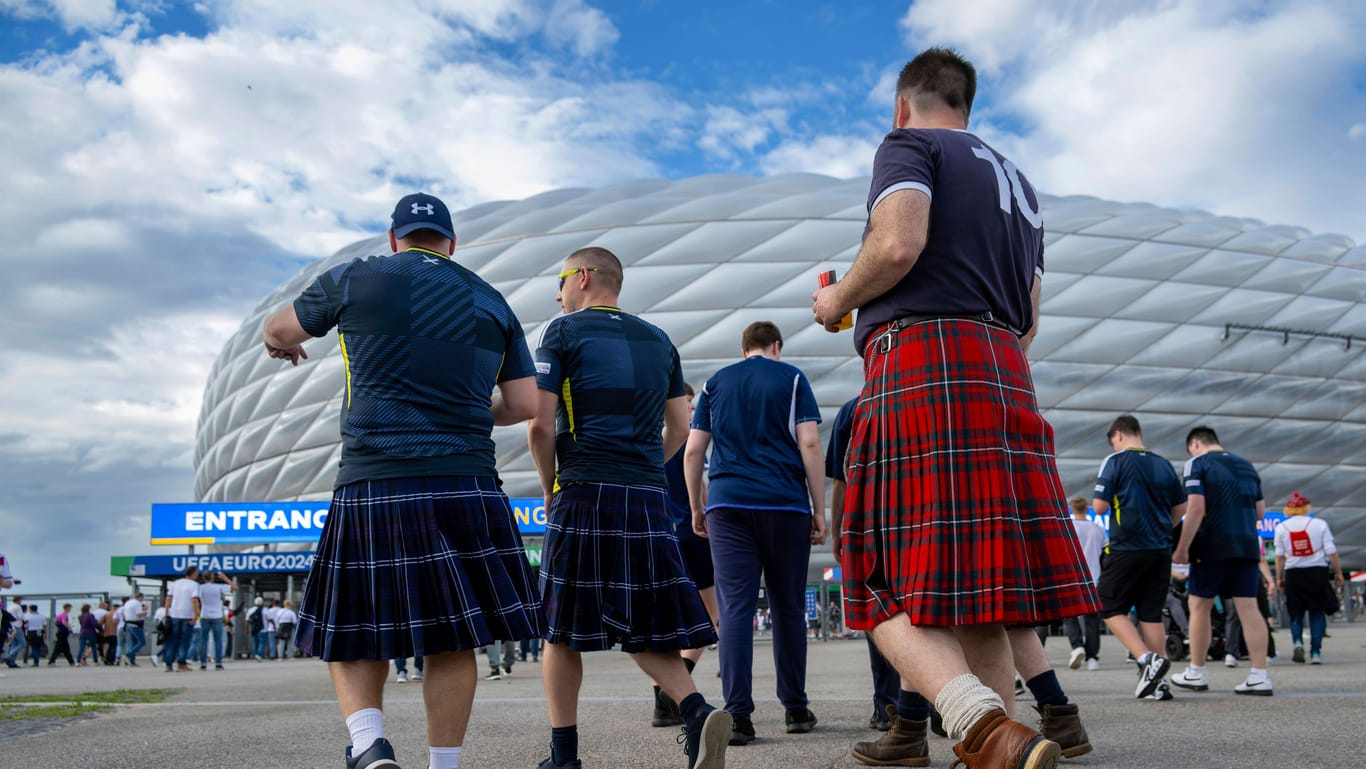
[359, 685]
[448, 692]
[1200, 629]
[562, 676]
[1254, 630]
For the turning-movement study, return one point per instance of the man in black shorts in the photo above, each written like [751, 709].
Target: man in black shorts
[1145, 500]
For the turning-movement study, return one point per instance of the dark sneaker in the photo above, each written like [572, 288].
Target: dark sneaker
[666, 711]
[1150, 675]
[377, 756]
[493, 675]
[1062, 724]
[741, 730]
[1298, 655]
[706, 744]
[1162, 693]
[507, 669]
[549, 763]
[800, 721]
[880, 722]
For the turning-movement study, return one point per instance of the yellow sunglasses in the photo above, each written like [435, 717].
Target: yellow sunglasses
[562, 276]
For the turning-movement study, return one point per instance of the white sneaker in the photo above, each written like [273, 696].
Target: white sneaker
[1189, 679]
[1230, 661]
[1261, 688]
[402, 678]
[1150, 675]
[417, 675]
[1078, 657]
[1162, 693]
[1093, 664]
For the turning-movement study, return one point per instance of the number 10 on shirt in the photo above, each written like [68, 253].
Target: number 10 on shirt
[825, 279]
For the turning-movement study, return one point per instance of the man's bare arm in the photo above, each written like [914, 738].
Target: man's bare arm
[284, 335]
[897, 232]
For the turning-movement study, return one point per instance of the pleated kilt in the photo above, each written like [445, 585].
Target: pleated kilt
[611, 573]
[415, 567]
[954, 514]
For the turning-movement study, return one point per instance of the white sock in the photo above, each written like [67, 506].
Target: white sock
[963, 701]
[444, 758]
[1257, 674]
[1197, 669]
[1143, 660]
[366, 726]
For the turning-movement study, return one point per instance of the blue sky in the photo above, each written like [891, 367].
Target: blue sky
[168, 164]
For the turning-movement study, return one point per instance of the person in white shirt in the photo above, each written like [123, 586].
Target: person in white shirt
[134, 615]
[1084, 632]
[1304, 549]
[163, 638]
[36, 625]
[122, 643]
[183, 607]
[6, 578]
[17, 639]
[215, 586]
[272, 617]
[285, 620]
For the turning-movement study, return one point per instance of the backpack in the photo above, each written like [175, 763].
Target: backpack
[257, 620]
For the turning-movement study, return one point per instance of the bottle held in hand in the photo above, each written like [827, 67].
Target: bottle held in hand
[827, 278]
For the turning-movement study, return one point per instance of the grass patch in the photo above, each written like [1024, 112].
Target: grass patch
[63, 710]
[116, 697]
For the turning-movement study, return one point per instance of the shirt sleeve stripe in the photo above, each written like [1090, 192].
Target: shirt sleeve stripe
[897, 188]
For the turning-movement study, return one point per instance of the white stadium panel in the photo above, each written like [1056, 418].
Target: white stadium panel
[1135, 305]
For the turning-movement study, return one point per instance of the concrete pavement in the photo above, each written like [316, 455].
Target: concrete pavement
[266, 715]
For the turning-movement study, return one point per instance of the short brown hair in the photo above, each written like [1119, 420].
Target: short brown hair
[1204, 434]
[1079, 504]
[606, 263]
[759, 335]
[1126, 424]
[688, 391]
[939, 76]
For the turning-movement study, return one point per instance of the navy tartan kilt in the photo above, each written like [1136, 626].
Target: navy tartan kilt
[611, 573]
[413, 567]
[954, 513]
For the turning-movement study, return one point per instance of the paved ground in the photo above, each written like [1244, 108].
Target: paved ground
[267, 715]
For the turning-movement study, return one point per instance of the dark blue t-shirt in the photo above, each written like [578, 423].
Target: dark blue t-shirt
[985, 243]
[676, 496]
[1141, 489]
[752, 409]
[840, 434]
[613, 372]
[1232, 489]
[424, 341]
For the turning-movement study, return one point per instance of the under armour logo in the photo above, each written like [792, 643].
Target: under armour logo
[429, 209]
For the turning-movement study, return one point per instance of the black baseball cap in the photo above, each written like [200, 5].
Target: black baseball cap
[420, 211]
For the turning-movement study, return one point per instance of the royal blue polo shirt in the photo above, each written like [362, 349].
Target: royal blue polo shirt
[1141, 489]
[424, 341]
[985, 243]
[840, 434]
[752, 409]
[1232, 489]
[613, 372]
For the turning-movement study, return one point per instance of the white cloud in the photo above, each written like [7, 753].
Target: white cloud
[73, 14]
[839, 156]
[730, 133]
[587, 31]
[1357, 132]
[1213, 105]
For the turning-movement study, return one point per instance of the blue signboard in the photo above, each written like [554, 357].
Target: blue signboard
[231, 564]
[221, 523]
[1267, 526]
[244, 523]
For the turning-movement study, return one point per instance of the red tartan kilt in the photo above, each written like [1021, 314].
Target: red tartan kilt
[954, 513]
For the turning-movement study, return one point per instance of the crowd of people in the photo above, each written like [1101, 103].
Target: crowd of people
[663, 513]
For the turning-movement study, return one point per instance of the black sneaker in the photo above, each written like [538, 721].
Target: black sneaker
[507, 669]
[706, 744]
[741, 730]
[800, 721]
[1150, 675]
[666, 711]
[549, 763]
[377, 756]
[493, 675]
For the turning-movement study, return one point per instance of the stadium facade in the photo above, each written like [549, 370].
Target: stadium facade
[1176, 316]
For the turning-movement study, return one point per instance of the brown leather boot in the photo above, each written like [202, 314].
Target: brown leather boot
[1062, 724]
[996, 742]
[903, 745]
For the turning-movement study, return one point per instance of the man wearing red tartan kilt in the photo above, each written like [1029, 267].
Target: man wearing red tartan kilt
[954, 526]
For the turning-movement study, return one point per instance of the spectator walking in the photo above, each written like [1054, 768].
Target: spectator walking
[1304, 551]
[36, 625]
[90, 635]
[18, 637]
[1219, 540]
[61, 647]
[762, 509]
[285, 621]
[109, 635]
[948, 303]
[1083, 632]
[611, 567]
[134, 613]
[183, 608]
[401, 669]
[256, 625]
[213, 593]
[509, 654]
[417, 500]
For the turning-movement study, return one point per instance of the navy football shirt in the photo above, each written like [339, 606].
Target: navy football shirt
[752, 409]
[676, 496]
[613, 372]
[840, 434]
[1141, 488]
[1232, 489]
[985, 243]
[424, 341]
